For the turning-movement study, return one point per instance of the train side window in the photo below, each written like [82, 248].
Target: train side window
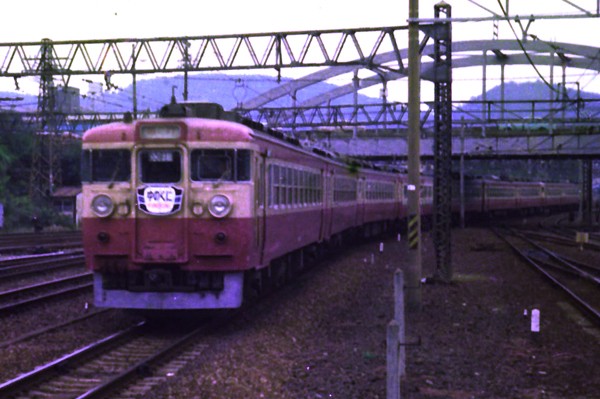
[319, 189]
[301, 189]
[105, 165]
[306, 188]
[296, 181]
[312, 188]
[290, 186]
[276, 183]
[271, 186]
[160, 166]
[284, 186]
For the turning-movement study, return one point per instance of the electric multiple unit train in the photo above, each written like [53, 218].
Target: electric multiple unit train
[198, 208]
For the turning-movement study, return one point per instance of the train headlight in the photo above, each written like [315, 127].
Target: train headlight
[102, 205]
[219, 206]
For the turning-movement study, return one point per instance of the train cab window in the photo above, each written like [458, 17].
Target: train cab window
[213, 164]
[160, 166]
[105, 165]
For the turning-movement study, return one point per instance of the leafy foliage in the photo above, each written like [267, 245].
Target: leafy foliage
[16, 141]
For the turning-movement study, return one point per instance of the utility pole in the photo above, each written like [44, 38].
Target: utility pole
[186, 66]
[414, 269]
[133, 59]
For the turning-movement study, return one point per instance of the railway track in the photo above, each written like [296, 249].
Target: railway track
[24, 266]
[39, 242]
[15, 299]
[560, 229]
[54, 327]
[578, 280]
[562, 236]
[117, 366]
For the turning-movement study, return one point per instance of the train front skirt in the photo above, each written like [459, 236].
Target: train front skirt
[230, 297]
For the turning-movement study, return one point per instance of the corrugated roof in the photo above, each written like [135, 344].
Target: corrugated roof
[66, 191]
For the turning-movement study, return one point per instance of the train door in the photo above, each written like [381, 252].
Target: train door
[160, 224]
[483, 196]
[330, 202]
[325, 204]
[260, 205]
[544, 201]
[360, 199]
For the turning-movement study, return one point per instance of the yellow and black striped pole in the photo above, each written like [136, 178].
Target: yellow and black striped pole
[414, 228]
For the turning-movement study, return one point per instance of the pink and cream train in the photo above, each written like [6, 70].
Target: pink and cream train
[196, 209]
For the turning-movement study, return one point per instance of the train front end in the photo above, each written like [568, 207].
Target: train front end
[167, 214]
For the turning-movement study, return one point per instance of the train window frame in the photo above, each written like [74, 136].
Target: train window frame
[289, 187]
[274, 184]
[295, 181]
[303, 189]
[238, 165]
[345, 189]
[377, 190]
[163, 178]
[284, 184]
[118, 166]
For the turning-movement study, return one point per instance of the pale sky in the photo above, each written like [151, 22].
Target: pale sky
[32, 20]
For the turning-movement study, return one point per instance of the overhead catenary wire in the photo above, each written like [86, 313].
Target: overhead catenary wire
[525, 52]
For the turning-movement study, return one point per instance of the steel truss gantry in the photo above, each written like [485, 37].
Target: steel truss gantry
[357, 47]
[337, 51]
[380, 50]
[64, 59]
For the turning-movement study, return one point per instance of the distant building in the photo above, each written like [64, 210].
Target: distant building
[66, 100]
[64, 200]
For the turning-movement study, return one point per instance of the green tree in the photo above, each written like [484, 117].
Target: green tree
[16, 143]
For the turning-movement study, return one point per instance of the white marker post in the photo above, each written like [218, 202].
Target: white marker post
[535, 324]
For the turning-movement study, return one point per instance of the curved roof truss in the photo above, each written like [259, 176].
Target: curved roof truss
[467, 54]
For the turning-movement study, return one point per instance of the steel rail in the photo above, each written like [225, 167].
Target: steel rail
[571, 265]
[593, 313]
[86, 388]
[22, 259]
[52, 328]
[42, 265]
[28, 246]
[44, 236]
[44, 297]
[170, 351]
[42, 373]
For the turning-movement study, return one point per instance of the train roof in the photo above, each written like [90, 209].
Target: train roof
[196, 129]
[208, 122]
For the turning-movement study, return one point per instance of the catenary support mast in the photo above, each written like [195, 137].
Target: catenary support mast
[413, 278]
[442, 180]
[45, 173]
